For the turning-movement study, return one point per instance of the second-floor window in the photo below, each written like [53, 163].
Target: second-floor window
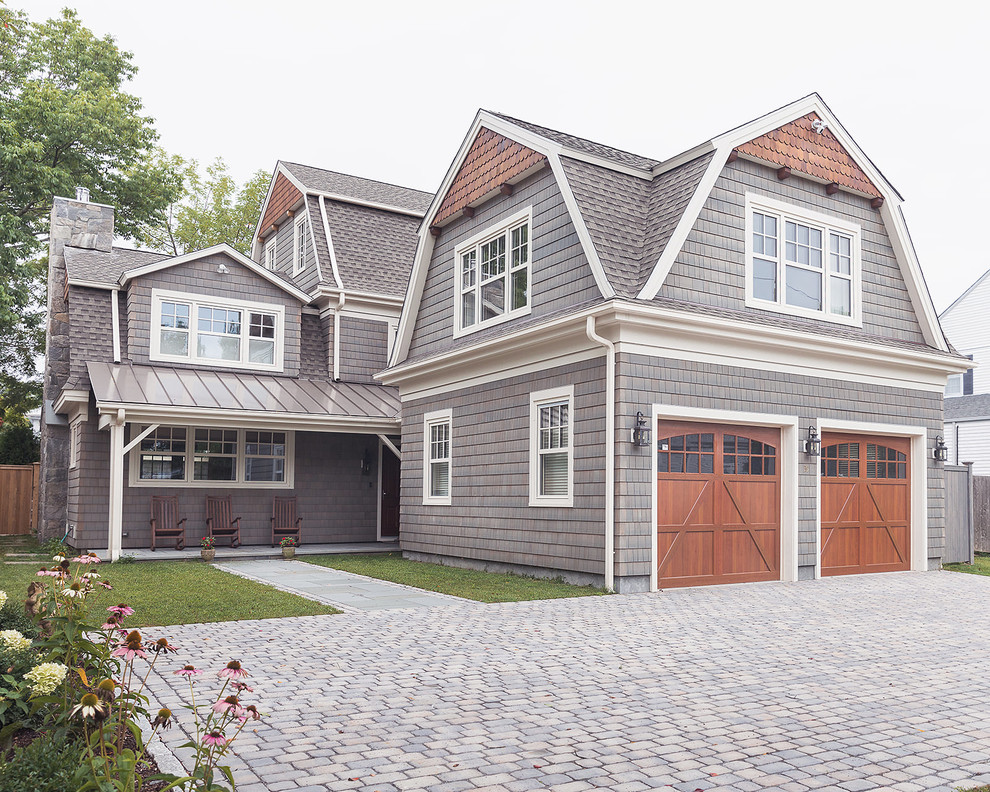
[269, 255]
[299, 240]
[801, 262]
[493, 274]
[198, 329]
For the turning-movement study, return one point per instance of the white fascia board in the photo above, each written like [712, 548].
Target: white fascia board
[955, 302]
[414, 294]
[653, 331]
[253, 418]
[91, 284]
[361, 202]
[256, 237]
[683, 158]
[224, 248]
[330, 250]
[67, 398]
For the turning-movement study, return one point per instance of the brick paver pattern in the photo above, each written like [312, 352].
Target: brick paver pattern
[855, 683]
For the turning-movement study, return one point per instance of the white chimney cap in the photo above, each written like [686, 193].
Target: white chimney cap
[82, 194]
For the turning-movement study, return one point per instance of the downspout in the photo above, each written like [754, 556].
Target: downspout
[609, 452]
[115, 317]
[341, 299]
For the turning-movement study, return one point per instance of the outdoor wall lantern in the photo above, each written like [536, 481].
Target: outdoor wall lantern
[813, 445]
[641, 431]
[366, 462]
[941, 451]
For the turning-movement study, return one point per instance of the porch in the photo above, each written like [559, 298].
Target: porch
[245, 552]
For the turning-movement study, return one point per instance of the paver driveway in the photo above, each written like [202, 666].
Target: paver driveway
[856, 683]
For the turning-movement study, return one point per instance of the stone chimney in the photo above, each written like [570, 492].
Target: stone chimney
[76, 223]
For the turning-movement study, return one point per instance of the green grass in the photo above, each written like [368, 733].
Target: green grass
[980, 566]
[467, 583]
[176, 592]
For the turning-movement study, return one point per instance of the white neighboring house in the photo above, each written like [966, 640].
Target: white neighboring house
[966, 324]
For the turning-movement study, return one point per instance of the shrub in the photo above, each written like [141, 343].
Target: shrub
[18, 445]
[46, 765]
[13, 617]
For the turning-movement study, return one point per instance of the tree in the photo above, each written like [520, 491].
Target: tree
[65, 121]
[211, 210]
[18, 444]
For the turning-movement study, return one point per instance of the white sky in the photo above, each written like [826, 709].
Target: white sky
[387, 90]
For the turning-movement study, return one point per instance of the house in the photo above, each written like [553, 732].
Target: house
[719, 367]
[212, 373]
[967, 395]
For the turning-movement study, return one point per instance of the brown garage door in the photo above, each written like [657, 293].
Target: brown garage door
[718, 504]
[866, 504]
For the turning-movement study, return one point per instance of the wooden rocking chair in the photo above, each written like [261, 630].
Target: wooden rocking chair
[284, 520]
[165, 522]
[219, 522]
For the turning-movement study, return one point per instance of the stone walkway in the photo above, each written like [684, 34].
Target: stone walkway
[856, 683]
[344, 590]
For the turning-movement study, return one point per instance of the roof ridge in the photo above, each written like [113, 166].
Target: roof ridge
[352, 176]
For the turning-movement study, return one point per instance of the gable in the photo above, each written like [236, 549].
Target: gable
[492, 161]
[284, 196]
[803, 149]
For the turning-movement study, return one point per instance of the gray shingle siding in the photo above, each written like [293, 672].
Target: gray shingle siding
[560, 275]
[363, 347]
[642, 381]
[91, 328]
[313, 353]
[490, 517]
[200, 277]
[337, 503]
[710, 268]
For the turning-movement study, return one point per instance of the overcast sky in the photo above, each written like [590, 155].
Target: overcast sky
[388, 90]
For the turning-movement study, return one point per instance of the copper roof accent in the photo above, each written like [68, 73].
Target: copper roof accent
[802, 149]
[284, 197]
[491, 161]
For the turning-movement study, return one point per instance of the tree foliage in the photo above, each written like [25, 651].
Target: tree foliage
[18, 444]
[211, 210]
[65, 121]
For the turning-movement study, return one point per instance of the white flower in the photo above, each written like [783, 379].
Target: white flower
[3, 599]
[73, 592]
[12, 639]
[58, 559]
[46, 677]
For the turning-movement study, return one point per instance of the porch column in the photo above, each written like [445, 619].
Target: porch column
[116, 484]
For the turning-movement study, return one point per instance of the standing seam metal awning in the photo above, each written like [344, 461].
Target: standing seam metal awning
[171, 393]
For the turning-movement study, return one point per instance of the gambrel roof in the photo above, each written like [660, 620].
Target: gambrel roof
[634, 213]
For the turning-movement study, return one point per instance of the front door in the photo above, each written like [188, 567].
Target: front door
[866, 504]
[390, 495]
[718, 504]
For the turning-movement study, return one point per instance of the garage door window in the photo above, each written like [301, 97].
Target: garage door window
[841, 460]
[695, 453]
[883, 462]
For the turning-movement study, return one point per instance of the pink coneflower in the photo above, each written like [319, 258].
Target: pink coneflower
[162, 645]
[233, 670]
[105, 585]
[240, 687]
[120, 611]
[88, 558]
[229, 704]
[49, 573]
[215, 738]
[188, 671]
[75, 590]
[250, 712]
[130, 647]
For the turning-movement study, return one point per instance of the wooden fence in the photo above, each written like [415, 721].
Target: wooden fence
[959, 533]
[19, 498]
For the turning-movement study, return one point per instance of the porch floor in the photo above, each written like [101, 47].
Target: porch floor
[245, 552]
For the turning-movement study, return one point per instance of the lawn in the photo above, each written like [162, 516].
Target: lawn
[467, 583]
[980, 566]
[177, 592]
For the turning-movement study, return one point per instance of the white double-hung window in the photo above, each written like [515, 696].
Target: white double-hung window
[551, 449]
[299, 239]
[189, 328]
[493, 274]
[437, 457]
[269, 253]
[802, 262]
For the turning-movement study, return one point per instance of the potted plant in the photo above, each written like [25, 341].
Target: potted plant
[289, 545]
[207, 550]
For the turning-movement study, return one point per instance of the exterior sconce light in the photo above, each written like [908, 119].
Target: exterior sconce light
[641, 431]
[941, 451]
[813, 445]
[222, 269]
[366, 463]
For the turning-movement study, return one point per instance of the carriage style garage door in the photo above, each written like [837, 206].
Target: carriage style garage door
[866, 504]
[718, 504]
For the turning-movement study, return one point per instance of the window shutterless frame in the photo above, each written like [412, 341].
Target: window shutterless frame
[493, 274]
[269, 255]
[551, 447]
[300, 236]
[189, 328]
[802, 262]
[176, 455]
[437, 457]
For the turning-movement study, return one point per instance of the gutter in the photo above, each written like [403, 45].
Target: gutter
[609, 452]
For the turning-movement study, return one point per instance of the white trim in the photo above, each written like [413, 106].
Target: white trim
[227, 250]
[502, 228]
[75, 440]
[788, 425]
[270, 251]
[312, 240]
[115, 323]
[299, 256]
[378, 500]
[330, 250]
[537, 399]
[919, 480]
[361, 202]
[71, 399]
[783, 211]
[390, 446]
[430, 420]
[134, 479]
[255, 238]
[196, 301]
[92, 284]
[413, 297]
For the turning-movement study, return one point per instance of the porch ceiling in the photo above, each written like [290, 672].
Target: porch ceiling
[166, 393]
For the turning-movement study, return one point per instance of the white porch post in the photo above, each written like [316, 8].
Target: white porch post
[116, 484]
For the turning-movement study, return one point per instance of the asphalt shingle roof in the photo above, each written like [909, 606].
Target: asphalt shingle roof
[361, 189]
[98, 266]
[974, 406]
